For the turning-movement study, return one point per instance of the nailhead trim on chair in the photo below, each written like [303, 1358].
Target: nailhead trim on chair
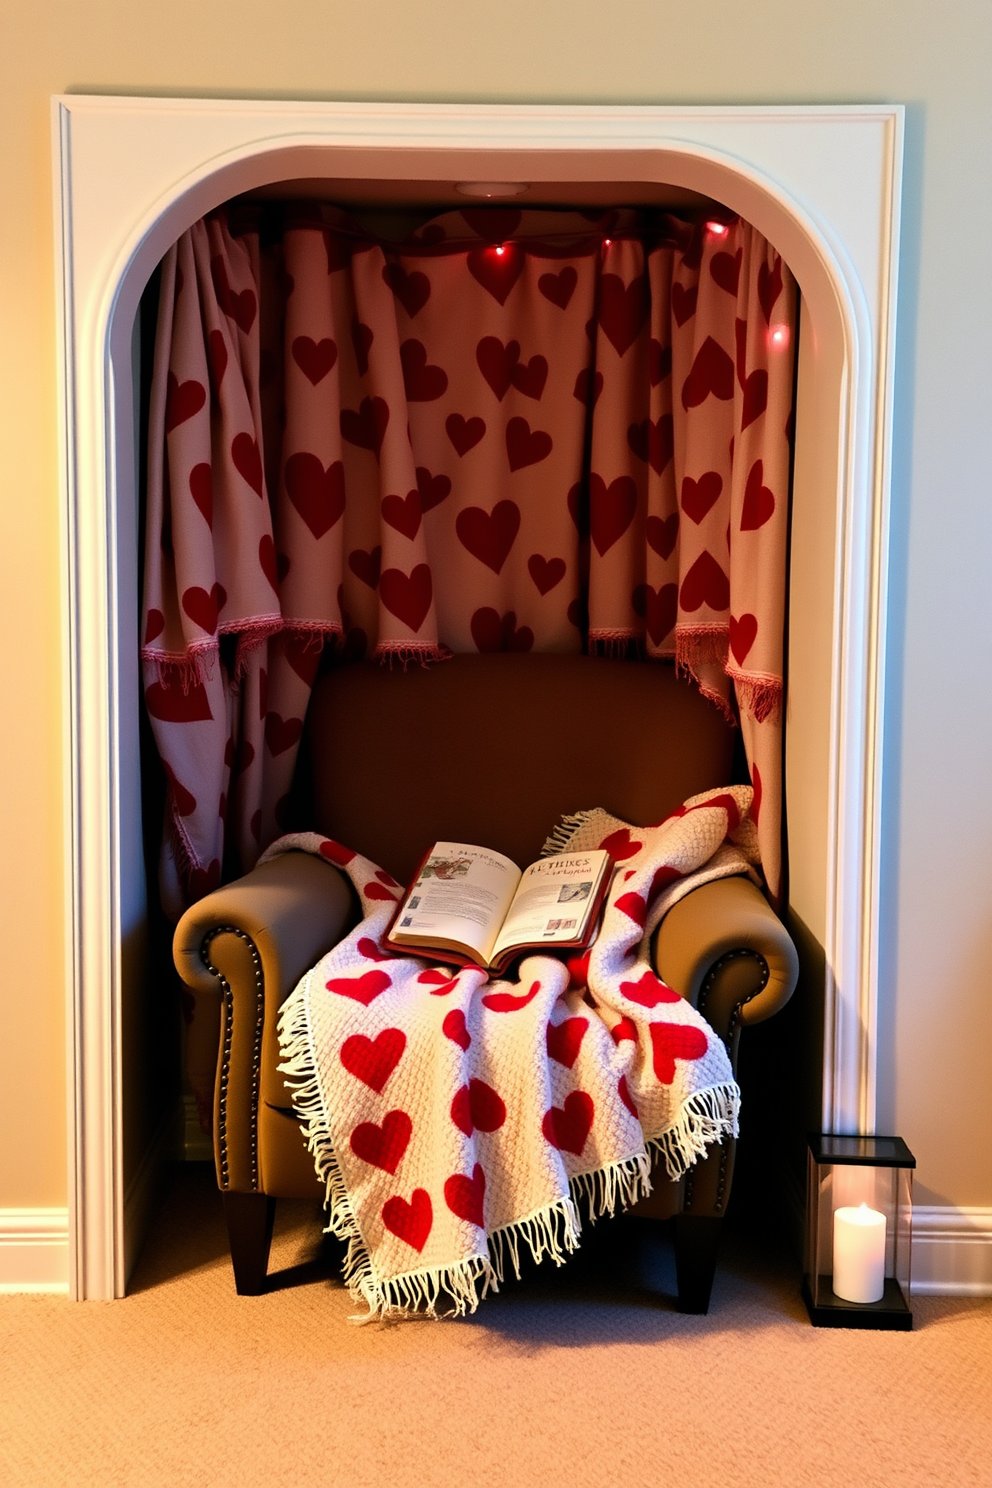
[256, 1055]
[704, 992]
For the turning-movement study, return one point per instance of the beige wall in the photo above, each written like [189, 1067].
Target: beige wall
[937, 913]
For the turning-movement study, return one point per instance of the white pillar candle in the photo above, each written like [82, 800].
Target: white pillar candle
[859, 1254]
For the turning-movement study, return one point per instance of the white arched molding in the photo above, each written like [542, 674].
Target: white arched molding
[822, 183]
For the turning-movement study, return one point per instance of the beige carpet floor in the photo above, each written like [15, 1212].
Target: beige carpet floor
[576, 1378]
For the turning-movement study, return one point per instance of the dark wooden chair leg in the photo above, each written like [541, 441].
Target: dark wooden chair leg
[697, 1238]
[249, 1230]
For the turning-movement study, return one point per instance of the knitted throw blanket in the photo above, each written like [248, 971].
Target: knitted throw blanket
[453, 1117]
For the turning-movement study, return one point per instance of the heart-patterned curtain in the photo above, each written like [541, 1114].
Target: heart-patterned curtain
[512, 430]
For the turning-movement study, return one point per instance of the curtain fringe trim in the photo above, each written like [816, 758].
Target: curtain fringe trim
[758, 694]
[406, 653]
[553, 1230]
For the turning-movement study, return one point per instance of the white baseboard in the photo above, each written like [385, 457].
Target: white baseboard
[34, 1250]
[952, 1251]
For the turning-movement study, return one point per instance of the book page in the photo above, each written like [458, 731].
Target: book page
[461, 895]
[553, 900]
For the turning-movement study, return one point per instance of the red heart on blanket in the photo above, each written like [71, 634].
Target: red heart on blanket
[410, 1221]
[455, 1029]
[203, 608]
[314, 358]
[366, 565]
[464, 433]
[625, 1029]
[759, 501]
[497, 268]
[433, 488]
[663, 876]
[403, 513]
[370, 950]
[742, 636]
[725, 270]
[684, 302]
[489, 536]
[559, 288]
[634, 906]
[588, 386]
[662, 534]
[547, 573]
[373, 1060]
[496, 363]
[567, 1127]
[383, 1146]
[619, 845]
[492, 631]
[317, 494]
[700, 496]
[413, 290]
[248, 461]
[366, 425]
[529, 377]
[362, 337]
[611, 509]
[565, 1039]
[712, 372]
[281, 733]
[724, 802]
[506, 1002]
[464, 1196]
[407, 596]
[201, 488]
[623, 309]
[769, 287]
[706, 583]
[363, 989]
[422, 380]
[434, 978]
[653, 442]
[659, 361]
[443, 988]
[578, 970]
[477, 1107]
[386, 878]
[671, 1041]
[378, 891]
[182, 401]
[626, 1097]
[648, 991]
[526, 446]
[335, 853]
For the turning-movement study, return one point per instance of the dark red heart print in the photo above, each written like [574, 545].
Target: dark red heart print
[413, 289]
[653, 441]
[241, 307]
[743, 633]
[154, 626]
[182, 401]
[433, 488]
[705, 584]
[455, 1028]
[529, 377]
[759, 501]
[217, 356]
[662, 534]
[684, 301]
[340, 855]
[620, 845]
[494, 632]
[567, 1127]
[611, 510]
[423, 381]
[366, 565]
[769, 287]
[248, 461]
[465, 1196]
[383, 1145]
[648, 991]
[658, 608]
[317, 494]
[410, 1221]
[700, 496]
[403, 513]
[373, 1060]
[464, 433]
[497, 268]
[365, 988]
[203, 608]
[366, 426]
[564, 1040]
[377, 891]
[407, 596]
[623, 309]
[489, 536]
[314, 358]
[712, 371]
[671, 1041]
[659, 362]
[547, 573]
[559, 288]
[281, 733]
[497, 362]
[526, 446]
[362, 337]
[201, 488]
[588, 387]
[268, 560]
[725, 270]
[634, 907]
[477, 1107]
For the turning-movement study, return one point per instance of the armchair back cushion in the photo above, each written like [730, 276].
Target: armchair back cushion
[492, 749]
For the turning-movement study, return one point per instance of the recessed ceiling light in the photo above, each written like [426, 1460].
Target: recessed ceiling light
[491, 189]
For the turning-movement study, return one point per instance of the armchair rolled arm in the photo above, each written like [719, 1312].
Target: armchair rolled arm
[724, 949]
[245, 947]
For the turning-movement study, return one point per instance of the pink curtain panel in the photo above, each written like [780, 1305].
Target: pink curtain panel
[510, 431]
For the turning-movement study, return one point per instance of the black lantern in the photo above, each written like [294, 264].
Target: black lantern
[859, 1213]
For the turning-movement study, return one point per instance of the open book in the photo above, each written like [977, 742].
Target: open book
[474, 906]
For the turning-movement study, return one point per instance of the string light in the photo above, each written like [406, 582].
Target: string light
[778, 336]
[718, 229]
[607, 242]
[501, 250]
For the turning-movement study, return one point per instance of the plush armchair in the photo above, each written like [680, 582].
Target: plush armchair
[487, 749]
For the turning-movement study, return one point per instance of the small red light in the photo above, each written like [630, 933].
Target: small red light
[718, 229]
[778, 337]
[501, 250]
[607, 242]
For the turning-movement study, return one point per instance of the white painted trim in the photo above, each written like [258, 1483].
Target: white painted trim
[952, 1251]
[131, 174]
[34, 1250]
